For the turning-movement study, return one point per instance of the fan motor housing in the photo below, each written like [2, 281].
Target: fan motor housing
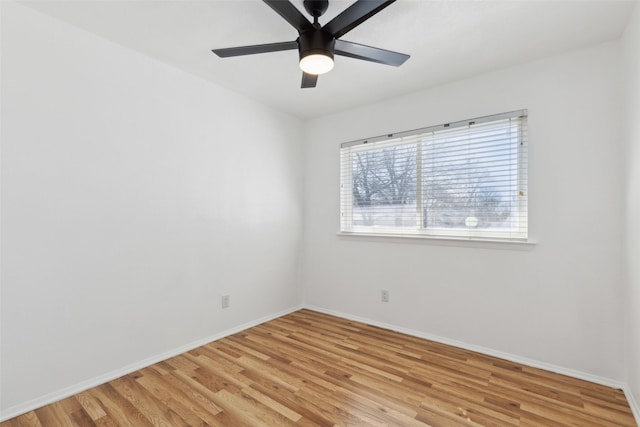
[316, 42]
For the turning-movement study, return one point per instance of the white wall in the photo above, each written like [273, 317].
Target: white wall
[133, 196]
[631, 44]
[557, 302]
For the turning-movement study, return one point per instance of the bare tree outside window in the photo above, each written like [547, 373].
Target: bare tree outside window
[384, 186]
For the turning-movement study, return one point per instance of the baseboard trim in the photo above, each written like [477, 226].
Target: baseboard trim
[479, 349]
[635, 408]
[47, 399]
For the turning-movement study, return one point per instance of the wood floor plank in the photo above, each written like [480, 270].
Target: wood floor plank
[30, 419]
[120, 410]
[76, 412]
[90, 405]
[310, 369]
[184, 397]
[53, 415]
[311, 415]
[156, 387]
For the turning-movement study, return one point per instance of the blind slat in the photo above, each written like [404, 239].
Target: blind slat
[469, 180]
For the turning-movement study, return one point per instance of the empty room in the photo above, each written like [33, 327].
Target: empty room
[319, 213]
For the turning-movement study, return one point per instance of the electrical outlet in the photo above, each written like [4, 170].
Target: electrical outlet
[225, 301]
[385, 296]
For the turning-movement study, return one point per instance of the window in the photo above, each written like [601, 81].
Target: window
[464, 180]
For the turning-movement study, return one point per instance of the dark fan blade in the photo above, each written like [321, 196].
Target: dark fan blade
[368, 53]
[256, 48]
[309, 80]
[355, 15]
[291, 14]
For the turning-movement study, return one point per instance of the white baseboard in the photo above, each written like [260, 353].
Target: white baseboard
[633, 403]
[47, 399]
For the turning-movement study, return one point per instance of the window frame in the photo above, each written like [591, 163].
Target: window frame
[512, 235]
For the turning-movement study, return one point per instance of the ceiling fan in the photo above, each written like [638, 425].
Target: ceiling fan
[318, 44]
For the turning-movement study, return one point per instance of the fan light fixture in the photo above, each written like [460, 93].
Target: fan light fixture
[316, 63]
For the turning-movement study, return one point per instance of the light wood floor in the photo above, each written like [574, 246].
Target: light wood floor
[311, 369]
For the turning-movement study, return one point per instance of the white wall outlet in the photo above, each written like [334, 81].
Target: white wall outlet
[225, 301]
[384, 295]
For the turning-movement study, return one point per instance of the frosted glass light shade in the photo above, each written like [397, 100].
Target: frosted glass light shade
[316, 64]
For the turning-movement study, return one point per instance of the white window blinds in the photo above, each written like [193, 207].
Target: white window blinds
[459, 180]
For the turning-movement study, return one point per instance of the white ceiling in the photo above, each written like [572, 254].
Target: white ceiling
[447, 40]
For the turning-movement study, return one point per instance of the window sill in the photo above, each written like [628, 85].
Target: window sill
[444, 241]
